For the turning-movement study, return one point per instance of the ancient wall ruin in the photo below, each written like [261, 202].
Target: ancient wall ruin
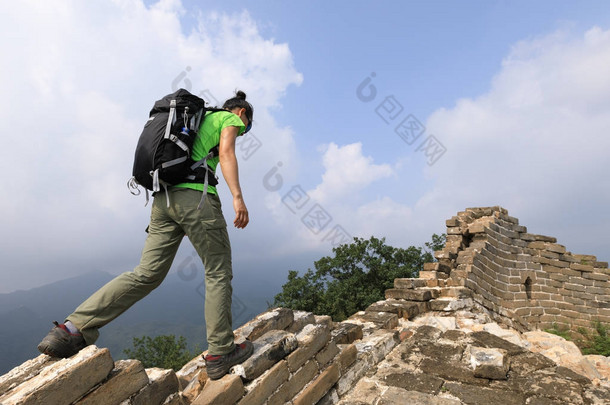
[433, 340]
[530, 281]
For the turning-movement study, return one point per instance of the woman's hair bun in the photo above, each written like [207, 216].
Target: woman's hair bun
[240, 94]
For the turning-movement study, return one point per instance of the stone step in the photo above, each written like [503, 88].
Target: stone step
[382, 320]
[402, 308]
[411, 295]
[450, 304]
[456, 292]
[409, 283]
[346, 333]
[459, 273]
[268, 350]
[64, 381]
[454, 282]
[433, 266]
[433, 275]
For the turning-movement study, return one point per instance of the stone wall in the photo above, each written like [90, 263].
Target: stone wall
[431, 341]
[529, 281]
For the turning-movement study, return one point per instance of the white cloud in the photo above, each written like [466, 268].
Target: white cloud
[79, 83]
[535, 143]
[347, 171]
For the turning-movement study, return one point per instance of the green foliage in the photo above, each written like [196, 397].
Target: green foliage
[555, 330]
[598, 342]
[588, 342]
[356, 276]
[162, 351]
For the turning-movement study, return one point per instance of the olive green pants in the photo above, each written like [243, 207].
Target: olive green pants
[207, 231]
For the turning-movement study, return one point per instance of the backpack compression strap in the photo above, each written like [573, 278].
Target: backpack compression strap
[204, 162]
[170, 121]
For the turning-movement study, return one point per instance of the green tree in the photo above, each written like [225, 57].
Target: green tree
[356, 276]
[164, 351]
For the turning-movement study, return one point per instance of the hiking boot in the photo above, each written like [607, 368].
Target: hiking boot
[219, 365]
[59, 342]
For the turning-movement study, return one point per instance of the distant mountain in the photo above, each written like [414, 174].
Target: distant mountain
[176, 307]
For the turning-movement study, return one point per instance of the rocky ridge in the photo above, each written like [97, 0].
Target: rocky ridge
[438, 339]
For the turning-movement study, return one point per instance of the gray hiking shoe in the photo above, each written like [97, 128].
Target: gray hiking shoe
[59, 342]
[219, 365]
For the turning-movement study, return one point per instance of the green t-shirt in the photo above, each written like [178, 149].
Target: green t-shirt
[208, 137]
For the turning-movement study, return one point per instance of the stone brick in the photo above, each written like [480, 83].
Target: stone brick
[190, 370]
[194, 387]
[347, 357]
[433, 266]
[225, 391]
[596, 276]
[261, 389]
[453, 221]
[327, 354]
[410, 295]
[324, 320]
[432, 275]
[558, 277]
[571, 273]
[574, 287]
[442, 254]
[383, 320]
[456, 292]
[432, 282]
[544, 238]
[301, 318]
[277, 318]
[402, 308]
[331, 398]
[489, 363]
[551, 262]
[454, 230]
[64, 381]
[477, 227]
[161, 383]
[351, 375]
[310, 341]
[294, 385]
[585, 258]
[549, 254]
[582, 267]
[379, 344]
[455, 282]
[371, 350]
[464, 258]
[270, 348]
[581, 281]
[345, 333]
[536, 245]
[404, 283]
[541, 296]
[24, 372]
[127, 378]
[555, 247]
[595, 290]
[318, 387]
[567, 257]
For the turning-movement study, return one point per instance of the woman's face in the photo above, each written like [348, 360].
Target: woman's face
[241, 113]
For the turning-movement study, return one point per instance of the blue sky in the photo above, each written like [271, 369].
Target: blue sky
[517, 93]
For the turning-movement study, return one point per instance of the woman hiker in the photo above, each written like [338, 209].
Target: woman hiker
[206, 229]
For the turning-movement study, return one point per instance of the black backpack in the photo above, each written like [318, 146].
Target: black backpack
[163, 154]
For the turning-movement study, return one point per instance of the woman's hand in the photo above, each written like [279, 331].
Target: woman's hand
[241, 213]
